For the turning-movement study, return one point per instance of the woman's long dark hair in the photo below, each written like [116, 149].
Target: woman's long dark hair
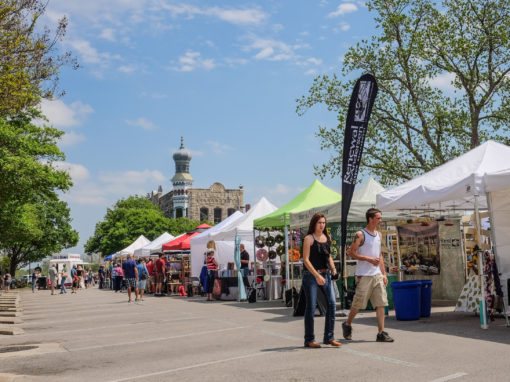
[313, 223]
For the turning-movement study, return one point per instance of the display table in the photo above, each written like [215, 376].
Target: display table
[271, 290]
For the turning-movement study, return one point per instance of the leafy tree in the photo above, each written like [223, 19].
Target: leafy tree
[29, 60]
[35, 230]
[415, 125]
[27, 155]
[129, 219]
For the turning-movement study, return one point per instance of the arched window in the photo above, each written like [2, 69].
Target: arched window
[204, 214]
[217, 215]
[230, 211]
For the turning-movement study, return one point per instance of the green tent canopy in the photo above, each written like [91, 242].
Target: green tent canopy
[314, 195]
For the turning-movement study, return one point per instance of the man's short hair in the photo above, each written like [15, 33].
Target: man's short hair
[371, 213]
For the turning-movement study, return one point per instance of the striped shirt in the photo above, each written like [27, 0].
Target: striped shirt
[211, 266]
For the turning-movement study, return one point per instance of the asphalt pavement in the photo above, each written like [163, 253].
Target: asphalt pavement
[96, 335]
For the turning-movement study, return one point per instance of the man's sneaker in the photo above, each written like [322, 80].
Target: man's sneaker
[384, 337]
[347, 331]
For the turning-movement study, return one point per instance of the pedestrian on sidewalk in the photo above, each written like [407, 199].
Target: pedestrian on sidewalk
[35, 276]
[130, 276]
[160, 274]
[7, 279]
[319, 267]
[143, 275]
[64, 275]
[371, 277]
[75, 278]
[52, 274]
[101, 274]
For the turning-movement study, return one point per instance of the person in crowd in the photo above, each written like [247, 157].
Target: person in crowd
[143, 275]
[63, 275]
[35, 276]
[90, 278]
[160, 274]
[212, 267]
[245, 260]
[7, 280]
[371, 277]
[52, 274]
[319, 267]
[101, 274]
[80, 272]
[75, 278]
[118, 274]
[150, 279]
[130, 276]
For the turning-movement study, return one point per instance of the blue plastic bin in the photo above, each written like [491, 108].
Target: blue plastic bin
[426, 297]
[407, 299]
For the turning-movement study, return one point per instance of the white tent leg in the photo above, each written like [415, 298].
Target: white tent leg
[255, 264]
[483, 311]
[493, 241]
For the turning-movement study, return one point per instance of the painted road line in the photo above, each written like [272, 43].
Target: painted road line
[156, 339]
[449, 377]
[188, 367]
[350, 351]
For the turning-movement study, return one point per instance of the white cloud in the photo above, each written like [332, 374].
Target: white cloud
[143, 123]
[311, 72]
[343, 9]
[61, 115]
[78, 172]
[108, 34]
[218, 147]
[71, 138]
[90, 55]
[127, 69]
[235, 16]
[193, 60]
[272, 50]
[154, 95]
[443, 81]
[345, 27]
[236, 61]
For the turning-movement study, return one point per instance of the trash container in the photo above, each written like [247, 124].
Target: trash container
[407, 299]
[426, 297]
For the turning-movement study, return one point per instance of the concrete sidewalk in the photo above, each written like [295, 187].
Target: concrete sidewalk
[97, 335]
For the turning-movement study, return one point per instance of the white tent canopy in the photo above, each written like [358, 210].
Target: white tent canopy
[363, 199]
[154, 246]
[138, 243]
[480, 178]
[454, 184]
[224, 237]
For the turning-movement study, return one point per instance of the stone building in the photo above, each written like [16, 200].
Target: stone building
[212, 204]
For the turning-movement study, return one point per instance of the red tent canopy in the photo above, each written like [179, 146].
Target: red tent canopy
[182, 243]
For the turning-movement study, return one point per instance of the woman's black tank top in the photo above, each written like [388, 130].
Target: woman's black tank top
[319, 254]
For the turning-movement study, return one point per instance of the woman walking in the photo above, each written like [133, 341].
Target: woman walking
[212, 267]
[319, 268]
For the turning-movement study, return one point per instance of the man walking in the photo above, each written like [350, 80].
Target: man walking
[74, 277]
[52, 273]
[371, 277]
[63, 275]
[245, 260]
[160, 274]
[130, 276]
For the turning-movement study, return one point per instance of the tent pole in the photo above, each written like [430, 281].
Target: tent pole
[483, 310]
[287, 257]
[254, 265]
[493, 241]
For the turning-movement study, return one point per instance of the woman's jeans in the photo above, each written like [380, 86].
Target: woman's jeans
[63, 285]
[311, 288]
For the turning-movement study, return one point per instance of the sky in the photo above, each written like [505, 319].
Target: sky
[225, 75]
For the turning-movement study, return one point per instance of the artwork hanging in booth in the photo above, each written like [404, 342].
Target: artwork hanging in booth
[419, 248]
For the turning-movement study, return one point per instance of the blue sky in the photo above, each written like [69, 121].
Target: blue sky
[225, 75]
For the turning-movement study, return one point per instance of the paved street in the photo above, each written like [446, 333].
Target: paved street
[97, 336]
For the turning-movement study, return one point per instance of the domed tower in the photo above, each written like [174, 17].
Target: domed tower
[182, 182]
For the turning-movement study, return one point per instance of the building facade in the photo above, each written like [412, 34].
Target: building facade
[213, 204]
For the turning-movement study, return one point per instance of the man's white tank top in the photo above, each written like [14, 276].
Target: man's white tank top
[371, 248]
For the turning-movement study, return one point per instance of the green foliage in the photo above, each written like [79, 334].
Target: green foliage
[415, 125]
[129, 219]
[27, 156]
[29, 61]
[36, 229]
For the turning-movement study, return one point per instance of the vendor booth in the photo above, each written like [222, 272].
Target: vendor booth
[140, 242]
[286, 244]
[224, 239]
[153, 246]
[477, 180]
